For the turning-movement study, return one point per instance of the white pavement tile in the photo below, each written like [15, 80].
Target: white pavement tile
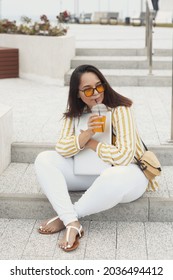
[159, 238]
[33, 105]
[40, 245]
[14, 238]
[3, 225]
[38, 107]
[168, 173]
[50, 131]
[144, 118]
[11, 177]
[19, 239]
[35, 258]
[101, 242]
[28, 183]
[131, 243]
[160, 117]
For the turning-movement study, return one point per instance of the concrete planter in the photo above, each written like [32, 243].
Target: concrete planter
[42, 57]
[6, 127]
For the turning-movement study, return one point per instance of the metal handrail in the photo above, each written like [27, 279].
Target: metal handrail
[171, 140]
[0, 9]
[146, 26]
[172, 97]
[149, 47]
[149, 36]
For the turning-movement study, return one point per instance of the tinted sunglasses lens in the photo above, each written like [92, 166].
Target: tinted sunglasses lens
[100, 88]
[88, 92]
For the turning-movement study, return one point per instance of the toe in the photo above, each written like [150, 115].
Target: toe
[68, 246]
[62, 244]
[43, 224]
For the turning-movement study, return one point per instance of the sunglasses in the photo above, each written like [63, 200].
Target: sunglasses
[90, 91]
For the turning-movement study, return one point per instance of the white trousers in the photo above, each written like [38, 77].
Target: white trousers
[118, 184]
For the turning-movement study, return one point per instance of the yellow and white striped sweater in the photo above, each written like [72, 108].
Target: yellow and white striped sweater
[126, 142]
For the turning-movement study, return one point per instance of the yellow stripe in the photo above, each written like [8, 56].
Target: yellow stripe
[64, 127]
[70, 152]
[131, 138]
[67, 140]
[125, 139]
[120, 157]
[65, 148]
[118, 133]
[140, 146]
[124, 128]
[99, 153]
[68, 131]
[104, 155]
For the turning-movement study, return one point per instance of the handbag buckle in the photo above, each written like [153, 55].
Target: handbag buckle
[142, 166]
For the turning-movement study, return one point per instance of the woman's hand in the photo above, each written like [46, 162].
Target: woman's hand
[93, 123]
[87, 134]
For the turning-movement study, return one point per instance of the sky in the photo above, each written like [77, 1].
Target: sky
[14, 9]
[33, 8]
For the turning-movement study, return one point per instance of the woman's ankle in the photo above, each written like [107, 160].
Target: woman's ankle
[74, 224]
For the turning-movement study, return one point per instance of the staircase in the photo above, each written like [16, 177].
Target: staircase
[20, 194]
[126, 67]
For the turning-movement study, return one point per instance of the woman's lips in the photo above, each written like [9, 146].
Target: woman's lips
[97, 99]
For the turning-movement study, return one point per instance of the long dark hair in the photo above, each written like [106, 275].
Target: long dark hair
[75, 105]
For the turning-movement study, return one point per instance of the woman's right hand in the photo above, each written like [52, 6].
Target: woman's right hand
[93, 123]
[87, 134]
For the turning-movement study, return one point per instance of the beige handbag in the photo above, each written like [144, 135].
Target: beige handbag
[149, 164]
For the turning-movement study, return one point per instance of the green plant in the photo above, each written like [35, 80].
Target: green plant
[43, 28]
[7, 26]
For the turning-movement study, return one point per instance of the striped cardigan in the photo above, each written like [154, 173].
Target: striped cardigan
[126, 142]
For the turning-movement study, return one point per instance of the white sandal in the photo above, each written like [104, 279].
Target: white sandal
[80, 231]
[42, 231]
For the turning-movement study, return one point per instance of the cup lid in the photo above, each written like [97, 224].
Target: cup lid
[99, 107]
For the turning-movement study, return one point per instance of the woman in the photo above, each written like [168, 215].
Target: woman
[122, 182]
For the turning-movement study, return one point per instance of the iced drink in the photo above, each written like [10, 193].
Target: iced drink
[101, 119]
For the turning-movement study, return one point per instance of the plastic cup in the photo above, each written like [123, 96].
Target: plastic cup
[102, 128]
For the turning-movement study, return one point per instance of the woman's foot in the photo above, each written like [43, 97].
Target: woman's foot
[73, 232]
[51, 226]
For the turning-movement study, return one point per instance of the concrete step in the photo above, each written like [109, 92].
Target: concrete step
[122, 62]
[22, 198]
[99, 51]
[131, 77]
[27, 152]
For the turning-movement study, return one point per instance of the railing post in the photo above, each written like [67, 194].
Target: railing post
[0, 9]
[172, 97]
[149, 37]
[150, 44]
[146, 25]
[171, 140]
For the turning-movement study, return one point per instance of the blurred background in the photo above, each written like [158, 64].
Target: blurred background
[14, 9]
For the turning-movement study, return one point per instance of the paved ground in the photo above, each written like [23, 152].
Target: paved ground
[37, 108]
[19, 239]
[116, 36]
